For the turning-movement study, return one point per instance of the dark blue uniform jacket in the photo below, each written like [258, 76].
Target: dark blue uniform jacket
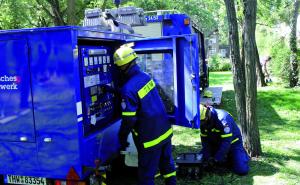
[143, 112]
[217, 141]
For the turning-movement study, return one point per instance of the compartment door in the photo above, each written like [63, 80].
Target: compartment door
[16, 115]
[173, 63]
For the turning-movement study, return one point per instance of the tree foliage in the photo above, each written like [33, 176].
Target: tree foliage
[44, 13]
[15, 14]
[271, 16]
[294, 75]
[210, 15]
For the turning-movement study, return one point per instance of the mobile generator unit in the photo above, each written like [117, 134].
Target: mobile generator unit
[170, 22]
[55, 118]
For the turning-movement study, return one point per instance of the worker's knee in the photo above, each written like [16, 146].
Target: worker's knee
[240, 161]
[241, 169]
[170, 180]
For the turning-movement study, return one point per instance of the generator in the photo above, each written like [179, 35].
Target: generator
[57, 124]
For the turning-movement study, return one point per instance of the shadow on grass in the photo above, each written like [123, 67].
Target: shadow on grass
[270, 123]
[128, 176]
[223, 176]
[268, 120]
[281, 158]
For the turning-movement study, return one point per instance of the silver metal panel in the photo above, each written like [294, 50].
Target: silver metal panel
[150, 30]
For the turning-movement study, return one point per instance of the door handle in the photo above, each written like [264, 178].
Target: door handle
[23, 139]
[47, 139]
[192, 77]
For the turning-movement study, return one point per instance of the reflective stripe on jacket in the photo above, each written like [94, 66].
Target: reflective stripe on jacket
[143, 111]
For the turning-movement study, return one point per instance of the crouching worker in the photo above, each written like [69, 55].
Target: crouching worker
[222, 141]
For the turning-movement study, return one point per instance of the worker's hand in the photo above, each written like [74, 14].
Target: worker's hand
[209, 164]
[212, 162]
[106, 88]
[109, 89]
[124, 145]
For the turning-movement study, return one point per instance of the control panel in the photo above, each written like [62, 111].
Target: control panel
[97, 76]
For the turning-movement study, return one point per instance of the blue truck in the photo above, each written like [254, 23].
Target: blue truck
[56, 123]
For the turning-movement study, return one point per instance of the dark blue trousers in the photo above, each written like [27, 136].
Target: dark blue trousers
[237, 159]
[159, 159]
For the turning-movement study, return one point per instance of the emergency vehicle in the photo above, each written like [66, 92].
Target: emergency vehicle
[57, 124]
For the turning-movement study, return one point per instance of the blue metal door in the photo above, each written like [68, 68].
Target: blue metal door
[173, 63]
[16, 115]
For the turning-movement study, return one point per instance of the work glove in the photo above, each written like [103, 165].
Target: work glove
[212, 162]
[106, 88]
[209, 164]
[124, 145]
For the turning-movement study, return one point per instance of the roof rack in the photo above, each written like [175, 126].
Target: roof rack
[161, 12]
[115, 20]
[128, 15]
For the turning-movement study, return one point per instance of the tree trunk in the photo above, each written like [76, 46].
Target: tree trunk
[250, 129]
[56, 14]
[293, 46]
[237, 65]
[71, 12]
[259, 72]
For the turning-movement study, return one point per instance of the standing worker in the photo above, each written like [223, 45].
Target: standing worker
[222, 141]
[265, 63]
[143, 114]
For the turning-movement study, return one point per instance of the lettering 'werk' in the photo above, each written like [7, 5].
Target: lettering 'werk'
[13, 86]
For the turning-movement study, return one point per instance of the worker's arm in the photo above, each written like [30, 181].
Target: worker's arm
[129, 108]
[206, 149]
[108, 88]
[226, 138]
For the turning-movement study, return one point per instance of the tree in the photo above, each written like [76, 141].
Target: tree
[71, 12]
[56, 12]
[293, 46]
[260, 75]
[259, 72]
[250, 127]
[244, 72]
[14, 14]
[237, 64]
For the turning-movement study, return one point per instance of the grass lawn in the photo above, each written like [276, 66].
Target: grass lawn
[278, 115]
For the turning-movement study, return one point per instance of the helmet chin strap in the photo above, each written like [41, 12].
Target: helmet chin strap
[127, 67]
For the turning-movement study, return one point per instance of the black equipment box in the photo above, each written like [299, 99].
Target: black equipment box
[189, 165]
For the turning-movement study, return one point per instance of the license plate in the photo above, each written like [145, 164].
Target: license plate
[26, 180]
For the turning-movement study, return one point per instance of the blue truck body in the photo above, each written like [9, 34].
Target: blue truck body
[170, 23]
[55, 117]
[43, 104]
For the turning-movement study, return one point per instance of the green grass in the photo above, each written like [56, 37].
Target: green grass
[220, 78]
[278, 116]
